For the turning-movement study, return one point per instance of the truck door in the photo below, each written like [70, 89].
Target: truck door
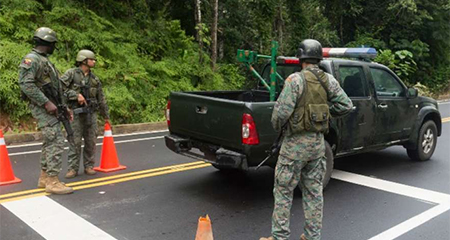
[395, 113]
[356, 127]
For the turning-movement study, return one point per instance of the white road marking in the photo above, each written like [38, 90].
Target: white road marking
[53, 221]
[412, 223]
[115, 135]
[428, 196]
[98, 144]
[392, 187]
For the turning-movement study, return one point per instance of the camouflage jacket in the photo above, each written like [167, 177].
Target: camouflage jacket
[74, 80]
[305, 145]
[35, 70]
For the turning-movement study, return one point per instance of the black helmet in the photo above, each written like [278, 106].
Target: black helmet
[310, 49]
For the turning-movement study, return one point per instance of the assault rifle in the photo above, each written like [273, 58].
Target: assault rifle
[63, 114]
[88, 108]
[275, 148]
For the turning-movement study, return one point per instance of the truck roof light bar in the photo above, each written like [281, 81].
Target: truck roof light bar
[362, 53]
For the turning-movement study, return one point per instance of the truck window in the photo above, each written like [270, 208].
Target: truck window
[353, 80]
[386, 84]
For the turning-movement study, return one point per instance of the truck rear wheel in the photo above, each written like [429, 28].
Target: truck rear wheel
[426, 142]
[330, 164]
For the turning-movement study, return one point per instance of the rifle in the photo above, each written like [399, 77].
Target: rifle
[89, 108]
[275, 148]
[63, 114]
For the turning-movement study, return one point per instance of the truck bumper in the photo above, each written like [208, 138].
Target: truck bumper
[218, 156]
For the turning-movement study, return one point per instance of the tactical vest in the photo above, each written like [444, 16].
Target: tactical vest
[312, 112]
[91, 82]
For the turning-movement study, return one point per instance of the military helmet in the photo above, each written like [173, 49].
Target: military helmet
[310, 49]
[45, 34]
[85, 54]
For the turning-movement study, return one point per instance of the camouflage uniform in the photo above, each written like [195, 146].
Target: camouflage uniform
[83, 127]
[35, 70]
[302, 158]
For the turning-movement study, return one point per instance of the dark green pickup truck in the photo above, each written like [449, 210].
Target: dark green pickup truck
[232, 129]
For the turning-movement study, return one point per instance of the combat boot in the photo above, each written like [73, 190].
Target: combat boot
[42, 179]
[267, 238]
[57, 187]
[90, 171]
[71, 174]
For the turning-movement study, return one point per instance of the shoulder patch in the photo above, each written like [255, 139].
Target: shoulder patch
[26, 63]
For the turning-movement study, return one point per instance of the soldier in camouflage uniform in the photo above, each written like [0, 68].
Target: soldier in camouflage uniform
[85, 95]
[35, 71]
[302, 107]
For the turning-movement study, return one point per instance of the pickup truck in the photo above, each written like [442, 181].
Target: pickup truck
[232, 129]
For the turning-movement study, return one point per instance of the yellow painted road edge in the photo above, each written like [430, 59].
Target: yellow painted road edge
[446, 119]
[108, 180]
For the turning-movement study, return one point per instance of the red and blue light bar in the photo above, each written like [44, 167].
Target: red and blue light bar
[350, 52]
[360, 53]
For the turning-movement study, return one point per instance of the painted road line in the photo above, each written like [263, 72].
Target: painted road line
[98, 144]
[142, 176]
[53, 221]
[95, 180]
[412, 223]
[120, 180]
[99, 137]
[392, 187]
[446, 120]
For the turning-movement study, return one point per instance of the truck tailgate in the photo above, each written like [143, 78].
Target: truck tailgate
[200, 117]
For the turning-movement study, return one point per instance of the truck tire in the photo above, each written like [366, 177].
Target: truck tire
[426, 142]
[330, 164]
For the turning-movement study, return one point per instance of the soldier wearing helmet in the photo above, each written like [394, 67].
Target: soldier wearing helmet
[303, 108]
[85, 95]
[35, 71]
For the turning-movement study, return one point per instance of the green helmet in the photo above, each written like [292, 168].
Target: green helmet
[46, 34]
[85, 54]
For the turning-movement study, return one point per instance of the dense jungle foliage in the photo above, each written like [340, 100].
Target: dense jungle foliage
[147, 48]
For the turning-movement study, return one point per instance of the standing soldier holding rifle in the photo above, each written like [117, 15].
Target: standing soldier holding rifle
[85, 95]
[308, 99]
[39, 83]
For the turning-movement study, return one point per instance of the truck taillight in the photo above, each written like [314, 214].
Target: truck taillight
[249, 133]
[168, 113]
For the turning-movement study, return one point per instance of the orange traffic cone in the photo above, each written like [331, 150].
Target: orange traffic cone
[204, 229]
[108, 160]
[6, 172]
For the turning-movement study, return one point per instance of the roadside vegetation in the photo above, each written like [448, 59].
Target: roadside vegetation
[147, 48]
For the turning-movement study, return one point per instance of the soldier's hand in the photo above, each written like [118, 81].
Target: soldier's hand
[70, 114]
[81, 99]
[51, 108]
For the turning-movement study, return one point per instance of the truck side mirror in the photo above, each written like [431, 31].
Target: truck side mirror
[412, 93]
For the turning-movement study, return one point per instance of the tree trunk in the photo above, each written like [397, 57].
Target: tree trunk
[198, 23]
[214, 35]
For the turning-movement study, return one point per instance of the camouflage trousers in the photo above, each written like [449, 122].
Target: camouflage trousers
[52, 140]
[288, 175]
[87, 129]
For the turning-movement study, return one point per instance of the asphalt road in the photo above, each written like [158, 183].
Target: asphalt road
[161, 195]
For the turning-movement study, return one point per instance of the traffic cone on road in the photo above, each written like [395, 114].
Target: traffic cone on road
[204, 229]
[109, 161]
[6, 172]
